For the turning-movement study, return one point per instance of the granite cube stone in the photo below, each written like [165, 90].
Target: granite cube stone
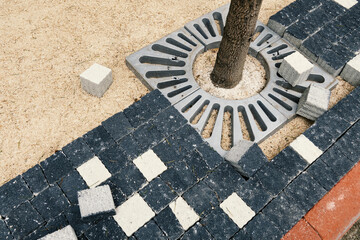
[295, 34]
[12, 194]
[169, 121]
[51, 226]
[313, 46]
[219, 224]
[314, 102]
[166, 151]
[348, 108]
[114, 159]
[157, 194]
[78, 152]
[305, 191]
[150, 230]
[260, 227]
[349, 143]
[197, 164]
[4, 231]
[105, 229]
[290, 162]
[201, 198]
[35, 179]
[55, 167]
[138, 113]
[156, 98]
[333, 8]
[67, 233]
[351, 71]
[74, 218]
[98, 139]
[210, 156]
[197, 232]
[332, 62]
[246, 157]
[96, 202]
[147, 136]
[23, 220]
[295, 68]
[50, 202]
[116, 193]
[71, 184]
[117, 126]
[323, 174]
[129, 146]
[188, 138]
[169, 224]
[96, 80]
[241, 235]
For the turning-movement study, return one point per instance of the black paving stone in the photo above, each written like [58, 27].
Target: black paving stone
[254, 194]
[138, 113]
[241, 235]
[4, 231]
[197, 232]
[35, 179]
[333, 9]
[169, 121]
[117, 126]
[316, 43]
[78, 152]
[114, 159]
[74, 218]
[12, 194]
[117, 195]
[156, 102]
[351, 40]
[179, 177]
[71, 184]
[50, 202]
[150, 230]
[105, 229]
[224, 181]
[98, 139]
[343, 51]
[188, 138]
[129, 179]
[157, 194]
[219, 224]
[348, 108]
[147, 136]
[319, 136]
[350, 142]
[323, 174]
[51, 226]
[252, 161]
[332, 59]
[55, 167]
[166, 151]
[290, 162]
[169, 224]
[23, 220]
[197, 164]
[334, 31]
[129, 146]
[272, 178]
[201, 198]
[305, 191]
[260, 227]
[210, 156]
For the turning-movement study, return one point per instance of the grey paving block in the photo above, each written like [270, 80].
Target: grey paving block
[290, 162]
[96, 202]
[105, 229]
[50, 202]
[150, 230]
[71, 184]
[4, 231]
[246, 157]
[114, 159]
[55, 167]
[314, 102]
[351, 71]
[210, 156]
[23, 220]
[260, 227]
[197, 232]
[323, 174]
[96, 80]
[169, 224]
[219, 224]
[78, 152]
[98, 139]
[35, 179]
[67, 233]
[12, 194]
[117, 126]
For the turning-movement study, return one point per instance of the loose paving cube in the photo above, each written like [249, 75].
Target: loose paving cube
[96, 201]
[295, 68]
[67, 233]
[351, 71]
[246, 157]
[314, 102]
[96, 80]
[93, 172]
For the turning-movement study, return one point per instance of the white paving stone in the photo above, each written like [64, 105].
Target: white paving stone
[351, 71]
[66, 233]
[150, 165]
[133, 214]
[93, 172]
[96, 80]
[306, 149]
[346, 3]
[237, 210]
[184, 213]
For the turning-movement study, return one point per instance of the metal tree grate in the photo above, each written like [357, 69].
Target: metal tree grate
[167, 65]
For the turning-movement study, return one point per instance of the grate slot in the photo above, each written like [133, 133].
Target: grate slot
[209, 27]
[267, 111]
[316, 78]
[227, 129]
[282, 56]
[210, 121]
[245, 124]
[161, 61]
[283, 104]
[188, 106]
[162, 74]
[288, 86]
[185, 38]
[199, 29]
[266, 38]
[219, 22]
[287, 95]
[199, 112]
[259, 121]
[170, 51]
[178, 44]
[171, 83]
[178, 91]
[277, 49]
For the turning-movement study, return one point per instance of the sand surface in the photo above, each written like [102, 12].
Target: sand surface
[45, 45]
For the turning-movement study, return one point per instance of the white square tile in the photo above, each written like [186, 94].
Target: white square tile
[306, 149]
[93, 172]
[237, 210]
[133, 214]
[184, 213]
[150, 165]
[346, 3]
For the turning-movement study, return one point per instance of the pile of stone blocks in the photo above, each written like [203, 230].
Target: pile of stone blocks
[96, 80]
[295, 69]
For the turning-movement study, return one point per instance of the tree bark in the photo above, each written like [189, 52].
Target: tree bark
[234, 47]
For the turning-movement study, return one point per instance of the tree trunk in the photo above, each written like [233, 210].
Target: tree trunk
[234, 47]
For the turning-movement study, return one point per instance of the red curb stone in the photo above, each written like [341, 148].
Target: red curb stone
[302, 231]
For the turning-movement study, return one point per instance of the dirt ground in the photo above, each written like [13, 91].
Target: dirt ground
[45, 45]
